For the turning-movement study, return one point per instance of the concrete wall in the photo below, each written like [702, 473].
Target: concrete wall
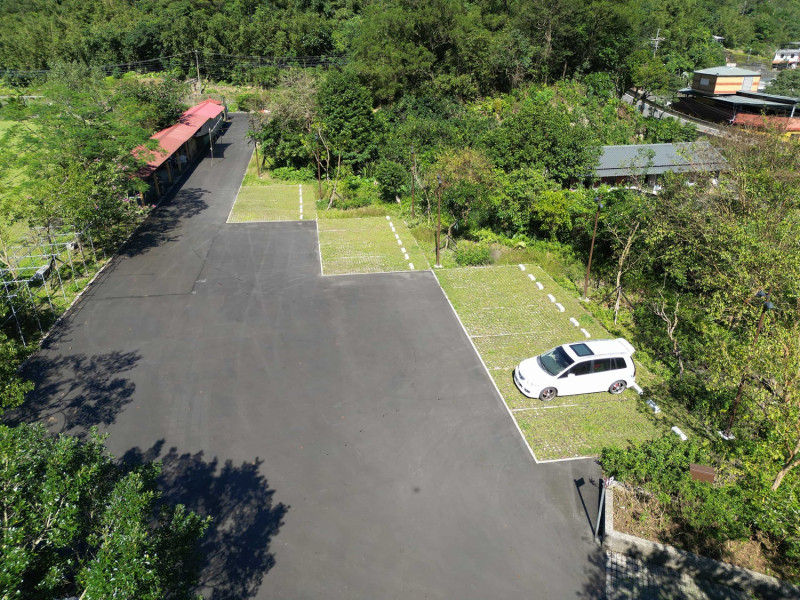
[763, 586]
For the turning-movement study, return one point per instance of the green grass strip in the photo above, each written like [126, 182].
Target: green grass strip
[278, 202]
[367, 246]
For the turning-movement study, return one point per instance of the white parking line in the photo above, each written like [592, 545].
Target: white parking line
[544, 407]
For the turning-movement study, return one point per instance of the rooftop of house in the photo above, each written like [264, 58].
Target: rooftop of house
[656, 159]
[728, 72]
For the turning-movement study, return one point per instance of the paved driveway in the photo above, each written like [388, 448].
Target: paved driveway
[341, 430]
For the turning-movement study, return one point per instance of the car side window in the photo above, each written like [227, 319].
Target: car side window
[582, 368]
[619, 363]
[602, 364]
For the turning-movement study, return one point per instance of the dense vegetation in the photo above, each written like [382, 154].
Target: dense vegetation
[398, 46]
[74, 523]
[502, 109]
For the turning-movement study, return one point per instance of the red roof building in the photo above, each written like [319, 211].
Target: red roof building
[195, 122]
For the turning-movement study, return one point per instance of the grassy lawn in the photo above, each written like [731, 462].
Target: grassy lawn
[275, 202]
[509, 318]
[11, 233]
[367, 245]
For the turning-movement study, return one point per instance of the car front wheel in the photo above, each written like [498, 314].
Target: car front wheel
[617, 387]
[548, 393]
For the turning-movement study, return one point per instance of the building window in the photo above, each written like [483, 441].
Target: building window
[704, 81]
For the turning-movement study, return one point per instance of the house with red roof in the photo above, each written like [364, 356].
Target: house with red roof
[180, 143]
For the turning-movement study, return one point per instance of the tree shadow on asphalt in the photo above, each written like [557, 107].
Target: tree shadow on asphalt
[76, 392]
[159, 227]
[236, 546]
[594, 587]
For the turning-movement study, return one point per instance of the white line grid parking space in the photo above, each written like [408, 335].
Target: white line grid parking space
[513, 313]
[367, 245]
[270, 204]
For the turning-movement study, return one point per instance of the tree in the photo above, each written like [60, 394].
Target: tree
[12, 387]
[285, 128]
[392, 178]
[542, 134]
[73, 155]
[787, 83]
[75, 523]
[346, 117]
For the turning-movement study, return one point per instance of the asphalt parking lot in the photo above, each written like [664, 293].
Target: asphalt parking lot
[342, 431]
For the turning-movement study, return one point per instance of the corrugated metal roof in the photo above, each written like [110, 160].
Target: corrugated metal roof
[771, 97]
[728, 72]
[655, 159]
[173, 137]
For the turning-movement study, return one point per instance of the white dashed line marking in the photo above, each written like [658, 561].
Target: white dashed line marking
[586, 333]
[531, 277]
[521, 267]
[559, 307]
[551, 297]
[574, 321]
[539, 285]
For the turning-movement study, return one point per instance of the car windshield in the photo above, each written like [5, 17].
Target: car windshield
[555, 361]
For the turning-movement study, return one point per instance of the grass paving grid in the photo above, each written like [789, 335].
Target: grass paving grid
[367, 245]
[509, 318]
[275, 202]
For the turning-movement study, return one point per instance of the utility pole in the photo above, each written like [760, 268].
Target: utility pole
[413, 178]
[438, 218]
[656, 40]
[197, 64]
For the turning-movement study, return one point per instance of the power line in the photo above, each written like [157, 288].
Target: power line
[213, 63]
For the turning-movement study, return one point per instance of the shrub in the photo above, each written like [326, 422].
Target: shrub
[294, 175]
[391, 178]
[249, 101]
[468, 254]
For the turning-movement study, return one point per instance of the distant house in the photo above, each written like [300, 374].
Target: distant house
[180, 143]
[643, 164]
[787, 58]
[725, 80]
[729, 94]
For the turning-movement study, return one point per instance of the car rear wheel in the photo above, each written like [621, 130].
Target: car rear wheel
[617, 387]
[548, 393]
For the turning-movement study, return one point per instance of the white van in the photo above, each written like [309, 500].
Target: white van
[579, 368]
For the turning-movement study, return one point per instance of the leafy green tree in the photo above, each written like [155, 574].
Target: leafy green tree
[159, 103]
[73, 155]
[285, 129]
[76, 523]
[347, 121]
[12, 386]
[542, 134]
[392, 178]
[787, 83]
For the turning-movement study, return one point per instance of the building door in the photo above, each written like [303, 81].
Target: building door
[747, 84]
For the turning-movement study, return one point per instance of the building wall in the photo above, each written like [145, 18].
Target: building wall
[718, 84]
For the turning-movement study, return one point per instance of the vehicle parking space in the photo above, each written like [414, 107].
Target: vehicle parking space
[276, 202]
[341, 431]
[368, 245]
[515, 312]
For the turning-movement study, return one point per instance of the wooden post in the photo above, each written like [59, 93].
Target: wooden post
[413, 177]
[156, 184]
[438, 219]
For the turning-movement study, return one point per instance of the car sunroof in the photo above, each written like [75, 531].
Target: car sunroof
[581, 349]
